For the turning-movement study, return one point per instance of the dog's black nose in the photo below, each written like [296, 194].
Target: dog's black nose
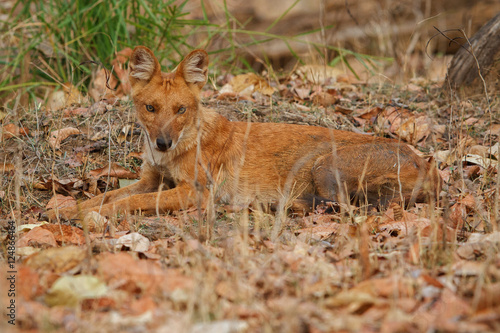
[163, 144]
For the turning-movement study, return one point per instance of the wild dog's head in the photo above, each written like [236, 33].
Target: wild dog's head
[167, 105]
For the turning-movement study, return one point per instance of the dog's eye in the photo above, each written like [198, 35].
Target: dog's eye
[181, 110]
[150, 108]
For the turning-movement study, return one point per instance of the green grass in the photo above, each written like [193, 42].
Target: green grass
[56, 36]
[44, 42]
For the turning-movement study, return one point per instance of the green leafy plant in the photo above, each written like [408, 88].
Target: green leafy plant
[51, 38]
[44, 42]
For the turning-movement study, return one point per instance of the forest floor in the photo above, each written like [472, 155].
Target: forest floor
[430, 267]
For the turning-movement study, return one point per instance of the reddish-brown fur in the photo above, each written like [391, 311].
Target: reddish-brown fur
[191, 149]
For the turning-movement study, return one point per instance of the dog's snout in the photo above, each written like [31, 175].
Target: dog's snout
[163, 144]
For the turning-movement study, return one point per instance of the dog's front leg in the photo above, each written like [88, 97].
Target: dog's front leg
[182, 196]
[141, 186]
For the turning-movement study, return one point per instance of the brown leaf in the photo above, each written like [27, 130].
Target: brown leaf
[319, 74]
[324, 99]
[246, 84]
[65, 234]
[343, 110]
[494, 129]
[63, 186]
[414, 129]
[302, 93]
[61, 201]
[232, 96]
[58, 260]
[115, 170]
[458, 213]
[403, 228]
[122, 271]
[74, 160]
[28, 283]
[442, 313]
[440, 229]
[57, 136]
[395, 213]
[472, 171]
[490, 296]
[122, 72]
[387, 287]
[135, 154]
[99, 88]
[431, 281]
[471, 251]
[11, 130]
[59, 99]
[325, 231]
[391, 118]
[95, 222]
[37, 237]
[81, 111]
[369, 114]
[468, 201]
[226, 289]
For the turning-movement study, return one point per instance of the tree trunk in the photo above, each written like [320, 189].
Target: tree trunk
[485, 46]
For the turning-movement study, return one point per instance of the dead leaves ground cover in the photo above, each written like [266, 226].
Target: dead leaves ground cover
[425, 268]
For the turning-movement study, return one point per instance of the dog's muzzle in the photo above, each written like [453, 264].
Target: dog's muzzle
[162, 144]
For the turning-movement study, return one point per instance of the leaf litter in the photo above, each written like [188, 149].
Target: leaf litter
[420, 268]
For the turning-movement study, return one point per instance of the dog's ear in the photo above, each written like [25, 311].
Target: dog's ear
[194, 68]
[143, 65]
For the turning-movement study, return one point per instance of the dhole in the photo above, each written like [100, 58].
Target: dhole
[190, 149]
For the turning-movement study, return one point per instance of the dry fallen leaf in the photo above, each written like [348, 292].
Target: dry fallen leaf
[124, 272]
[223, 326]
[120, 70]
[8, 131]
[59, 99]
[66, 234]
[485, 162]
[318, 74]
[99, 88]
[95, 222]
[387, 287]
[325, 231]
[29, 286]
[61, 201]
[414, 129]
[57, 136]
[402, 122]
[71, 290]
[28, 227]
[325, 99]
[37, 237]
[247, 84]
[80, 111]
[58, 260]
[302, 93]
[479, 245]
[113, 170]
[134, 242]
